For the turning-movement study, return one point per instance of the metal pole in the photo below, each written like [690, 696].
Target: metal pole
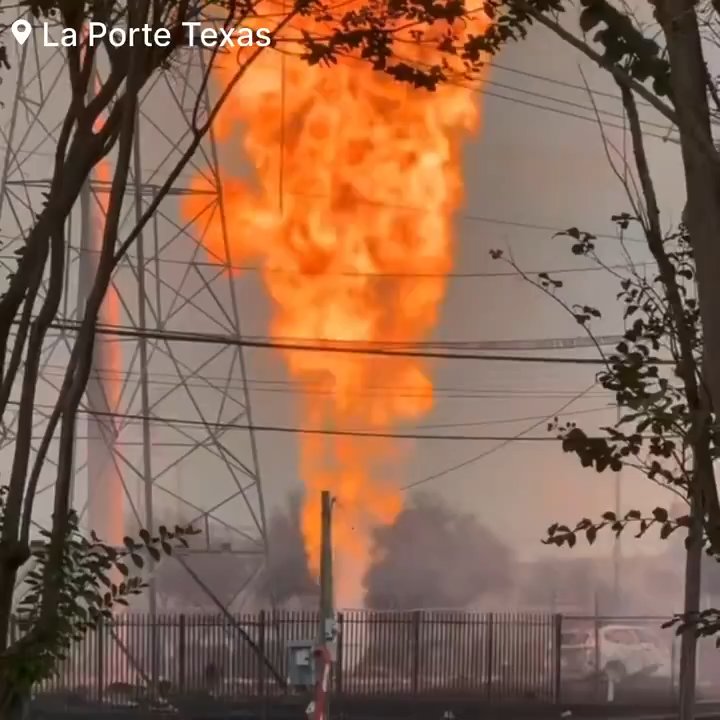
[145, 403]
[10, 136]
[617, 546]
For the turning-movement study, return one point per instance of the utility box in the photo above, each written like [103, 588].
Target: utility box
[301, 663]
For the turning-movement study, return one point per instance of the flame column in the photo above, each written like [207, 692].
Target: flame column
[105, 493]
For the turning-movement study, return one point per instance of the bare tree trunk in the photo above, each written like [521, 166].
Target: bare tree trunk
[76, 378]
[71, 171]
[12, 553]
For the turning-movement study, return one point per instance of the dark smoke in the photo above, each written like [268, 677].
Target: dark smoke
[286, 576]
[431, 556]
[435, 557]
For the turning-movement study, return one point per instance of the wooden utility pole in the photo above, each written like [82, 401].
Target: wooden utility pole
[326, 579]
[326, 616]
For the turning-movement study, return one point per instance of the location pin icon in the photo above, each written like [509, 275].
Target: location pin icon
[21, 30]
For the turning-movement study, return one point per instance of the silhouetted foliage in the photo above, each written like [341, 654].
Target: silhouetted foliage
[665, 428]
[92, 579]
[645, 374]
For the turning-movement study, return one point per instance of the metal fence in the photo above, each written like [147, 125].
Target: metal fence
[493, 657]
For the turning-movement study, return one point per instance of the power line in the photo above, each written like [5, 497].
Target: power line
[541, 419]
[212, 339]
[533, 344]
[537, 106]
[466, 217]
[296, 387]
[270, 270]
[512, 88]
[571, 103]
[561, 83]
[370, 434]
[503, 443]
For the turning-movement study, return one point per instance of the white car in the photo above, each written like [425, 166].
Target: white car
[623, 651]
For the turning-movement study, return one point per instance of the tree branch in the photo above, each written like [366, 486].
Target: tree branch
[704, 477]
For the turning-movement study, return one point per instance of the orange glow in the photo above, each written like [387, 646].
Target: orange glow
[111, 370]
[351, 225]
[108, 501]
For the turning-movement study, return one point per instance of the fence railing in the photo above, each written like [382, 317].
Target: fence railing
[490, 656]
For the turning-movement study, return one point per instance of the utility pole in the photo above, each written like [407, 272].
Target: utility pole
[326, 617]
[327, 614]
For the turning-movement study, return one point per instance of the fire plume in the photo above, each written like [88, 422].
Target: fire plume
[106, 496]
[356, 180]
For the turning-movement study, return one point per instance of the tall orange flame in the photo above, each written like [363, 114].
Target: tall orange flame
[105, 489]
[351, 221]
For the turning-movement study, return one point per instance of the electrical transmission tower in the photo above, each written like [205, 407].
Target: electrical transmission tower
[165, 432]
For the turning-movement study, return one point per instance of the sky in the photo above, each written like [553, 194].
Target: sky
[527, 171]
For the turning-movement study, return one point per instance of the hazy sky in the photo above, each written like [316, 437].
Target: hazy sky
[528, 166]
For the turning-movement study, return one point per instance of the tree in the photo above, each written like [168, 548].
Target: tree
[103, 122]
[87, 595]
[654, 375]
[675, 80]
[669, 70]
[410, 568]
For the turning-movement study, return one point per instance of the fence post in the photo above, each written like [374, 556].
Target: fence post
[261, 653]
[557, 657]
[100, 649]
[339, 653]
[673, 661]
[181, 654]
[597, 659]
[417, 619]
[489, 655]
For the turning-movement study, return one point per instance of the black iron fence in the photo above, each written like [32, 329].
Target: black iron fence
[490, 656]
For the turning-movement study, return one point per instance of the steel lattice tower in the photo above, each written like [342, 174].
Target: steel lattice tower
[166, 426]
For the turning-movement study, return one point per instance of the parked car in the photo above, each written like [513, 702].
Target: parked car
[623, 651]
